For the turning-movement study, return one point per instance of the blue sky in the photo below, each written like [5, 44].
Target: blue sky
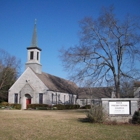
[57, 26]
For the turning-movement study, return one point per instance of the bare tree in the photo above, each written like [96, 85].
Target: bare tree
[127, 88]
[108, 50]
[9, 71]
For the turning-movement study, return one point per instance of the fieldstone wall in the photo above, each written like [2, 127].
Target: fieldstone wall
[124, 117]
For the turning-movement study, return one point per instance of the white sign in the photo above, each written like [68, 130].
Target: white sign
[119, 107]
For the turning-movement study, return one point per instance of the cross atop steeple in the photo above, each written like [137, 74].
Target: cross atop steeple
[34, 37]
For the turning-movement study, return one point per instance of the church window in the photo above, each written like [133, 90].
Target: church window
[37, 55]
[56, 97]
[73, 100]
[32, 55]
[16, 98]
[70, 98]
[59, 97]
[40, 98]
[52, 98]
[64, 99]
[82, 102]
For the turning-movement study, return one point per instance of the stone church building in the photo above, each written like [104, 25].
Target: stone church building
[37, 87]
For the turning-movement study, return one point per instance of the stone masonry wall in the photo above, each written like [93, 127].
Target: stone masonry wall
[133, 106]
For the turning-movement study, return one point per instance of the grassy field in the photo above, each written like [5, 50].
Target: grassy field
[59, 125]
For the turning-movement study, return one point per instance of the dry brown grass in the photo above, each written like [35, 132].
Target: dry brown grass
[59, 125]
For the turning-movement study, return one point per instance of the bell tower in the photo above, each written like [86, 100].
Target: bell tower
[33, 53]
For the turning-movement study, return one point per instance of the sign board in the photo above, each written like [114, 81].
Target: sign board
[119, 107]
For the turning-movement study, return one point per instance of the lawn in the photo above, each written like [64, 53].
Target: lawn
[59, 125]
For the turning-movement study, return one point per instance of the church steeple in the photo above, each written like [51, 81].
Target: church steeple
[34, 37]
[33, 60]
[34, 42]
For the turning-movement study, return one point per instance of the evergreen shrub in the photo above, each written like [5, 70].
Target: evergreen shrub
[15, 106]
[85, 107]
[6, 105]
[59, 107]
[136, 117]
[38, 106]
[62, 107]
[3, 104]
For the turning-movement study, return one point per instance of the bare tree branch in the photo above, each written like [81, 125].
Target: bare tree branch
[108, 51]
[9, 71]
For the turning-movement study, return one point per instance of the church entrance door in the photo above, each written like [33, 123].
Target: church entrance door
[28, 101]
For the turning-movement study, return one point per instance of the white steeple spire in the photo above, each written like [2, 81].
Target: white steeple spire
[34, 42]
[33, 60]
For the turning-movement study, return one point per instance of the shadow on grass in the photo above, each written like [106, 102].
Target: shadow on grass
[84, 120]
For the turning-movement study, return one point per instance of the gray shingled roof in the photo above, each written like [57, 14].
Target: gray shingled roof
[58, 84]
[137, 84]
[98, 92]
